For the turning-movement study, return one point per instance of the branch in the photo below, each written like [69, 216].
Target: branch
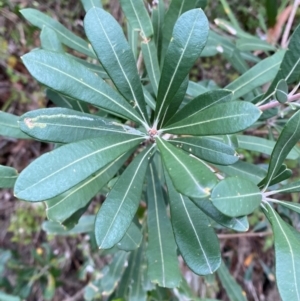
[275, 103]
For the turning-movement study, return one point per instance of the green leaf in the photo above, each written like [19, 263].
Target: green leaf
[207, 149]
[8, 176]
[115, 55]
[66, 102]
[133, 40]
[149, 99]
[202, 102]
[138, 17]
[158, 15]
[151, 62]
[85, 225]
[287, 254]
[290, 65]
[88, 4]
[189, 175]
[289, 188]
[9, 126]
[176, 8]
[66, 37]
[116, 214]
[61, 169]
[132, 238]
[114, 273]
[236, 197]
[289, 136]
[281, 92]
[195, 89]
[6, 297]
[235, 223]
[252, 44]
[224, 118]
[67, 76]
[176, 102]
[196, 239]
[163, 267]
[290, 205]
[188, 39]
[63, 206]
[258, 75]
[64, 126]
[261, 145]
[283, 174]
[49, 40]
[232, 288]
[245, 170]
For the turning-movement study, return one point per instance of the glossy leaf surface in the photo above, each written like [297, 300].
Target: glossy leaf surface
[132, 239]
[281, 92]
[163, 268]
[224, 118]
[67, 76]
[289, 136]
[116, 213]
[287, 253]
[68, 38]
[188, 39]
[235, 223]
[61, 169]
[8, 176]
[189, 175]
[236, 197]
[64, 126]
[196, 240]
[115, 55]
[63, 206]
[207, 149]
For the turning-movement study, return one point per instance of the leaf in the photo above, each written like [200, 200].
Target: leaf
[200, 103]
[113, 275]
[6, 297]
[158, 14]
[207, 149]
[261, 145]
[49, 40]
[224, 118]
[196, 240]
[236, 197]
[88, 4]
[151, 62]
[232, 288]
[67, 76]
[289, 136]
[245, 170]
[8, 176]
[252, 44]
[289, 188]
[64, 126]
[195, 89]
[115, 55]
[287, 254]
[176, 8]
[281, 92]
[9, 126]
[149, 99]
[132, 239]
[290, 65]
[163, 266]
[60, 208]
[133, 40]
[66, 37]
[258, 75]
[66, 102]
[116, 214]
[138, 17]
[63, 168]
[235, 223]
[189, 175]
[85, 225]
[283, 174]
[176, 102]
[290, 205]
[188, 39]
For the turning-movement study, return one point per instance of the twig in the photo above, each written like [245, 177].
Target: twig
[275, 103]
[240, 235]
[288, 27]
